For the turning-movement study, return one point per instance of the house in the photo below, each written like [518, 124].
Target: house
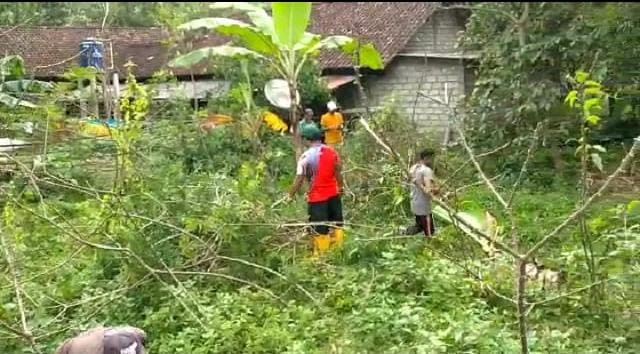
[49, 52]
[417, 42]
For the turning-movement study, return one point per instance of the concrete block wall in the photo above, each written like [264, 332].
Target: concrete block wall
[402, 79]
[438, 35]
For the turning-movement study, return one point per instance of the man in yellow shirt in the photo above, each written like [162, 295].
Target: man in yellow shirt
[332, 124]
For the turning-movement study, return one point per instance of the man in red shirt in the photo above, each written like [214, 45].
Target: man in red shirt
[320, 165]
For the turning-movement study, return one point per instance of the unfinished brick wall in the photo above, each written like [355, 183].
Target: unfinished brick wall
[438, 35]
[405, 76]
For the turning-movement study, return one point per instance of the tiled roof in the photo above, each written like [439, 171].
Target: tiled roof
[388, 25]
[51, 50]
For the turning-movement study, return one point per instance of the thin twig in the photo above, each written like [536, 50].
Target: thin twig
[16, 27]
[523, 170]
[470, 152]
[26, 333]
[573, 292]
[270, 271]
[623, 166]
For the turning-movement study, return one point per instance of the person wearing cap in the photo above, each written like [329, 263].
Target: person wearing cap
[332, 123]
[306, 120]
[101, 340]
[320, 166]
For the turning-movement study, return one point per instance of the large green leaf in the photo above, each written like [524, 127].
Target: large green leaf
[290, 20]
[369, 57]
[308, 40]
[331, 42]
[211, 23]
[12, 101]
[258, 16]
[12, 66]
[26, 86]
[192, 58]
[250, 37]
[367, 54]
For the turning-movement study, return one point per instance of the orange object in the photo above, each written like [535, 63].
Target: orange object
[213, 121]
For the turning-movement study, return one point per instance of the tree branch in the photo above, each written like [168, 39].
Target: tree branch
[523, 170]
[623, 166]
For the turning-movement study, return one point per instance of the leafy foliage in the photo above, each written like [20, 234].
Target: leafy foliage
[176, 231]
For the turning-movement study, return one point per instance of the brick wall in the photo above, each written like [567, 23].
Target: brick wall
[402, 79]
[438, 35]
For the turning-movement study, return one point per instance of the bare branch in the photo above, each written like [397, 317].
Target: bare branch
[470, 152]
[523, 170]
[446, 207]
[25, 333]
[623, 166]
[16, 27]
[50, 270]
[573, 292]
[271, 271]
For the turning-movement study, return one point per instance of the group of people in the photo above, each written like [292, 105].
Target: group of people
[320, 166]
[331, 124]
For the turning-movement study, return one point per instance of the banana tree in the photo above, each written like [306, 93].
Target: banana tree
[12, 84]
[280, 41]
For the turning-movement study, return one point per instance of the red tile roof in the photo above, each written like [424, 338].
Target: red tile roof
[388, 25]
[49, 51]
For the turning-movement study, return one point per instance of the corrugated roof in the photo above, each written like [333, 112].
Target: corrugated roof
[52, 50]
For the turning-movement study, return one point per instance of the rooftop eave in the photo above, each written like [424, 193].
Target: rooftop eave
[450, 55]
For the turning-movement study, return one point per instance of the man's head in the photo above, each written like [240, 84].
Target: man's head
[308, 114]
[332, 106]
[426, 156]
[311, 134]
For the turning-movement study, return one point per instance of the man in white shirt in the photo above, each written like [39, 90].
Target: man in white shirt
[422, 187]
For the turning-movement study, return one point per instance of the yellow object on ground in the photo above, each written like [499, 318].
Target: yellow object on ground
[337, 237]
[221, 119]
[331, 122]
[321, 245]
[274, 122]
[96, 130]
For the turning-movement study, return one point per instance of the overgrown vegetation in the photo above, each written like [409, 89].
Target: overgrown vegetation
[178, 232]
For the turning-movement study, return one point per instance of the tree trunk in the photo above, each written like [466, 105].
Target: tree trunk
[293, 118]
[522, 311]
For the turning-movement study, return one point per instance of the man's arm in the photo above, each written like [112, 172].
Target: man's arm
[299, 180]
[429, 184]
[338, 174]
[297, 184]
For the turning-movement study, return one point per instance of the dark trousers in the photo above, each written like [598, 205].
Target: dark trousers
[327, 213]
[425, 224]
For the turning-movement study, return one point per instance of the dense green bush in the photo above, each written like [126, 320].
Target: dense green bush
[376, 295]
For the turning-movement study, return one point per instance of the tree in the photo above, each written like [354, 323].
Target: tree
[526, 50]
[279, 41]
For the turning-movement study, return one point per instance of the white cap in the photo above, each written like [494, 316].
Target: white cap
[332, 106]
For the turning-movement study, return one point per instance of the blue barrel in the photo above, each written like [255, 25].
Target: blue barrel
[92, 54]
